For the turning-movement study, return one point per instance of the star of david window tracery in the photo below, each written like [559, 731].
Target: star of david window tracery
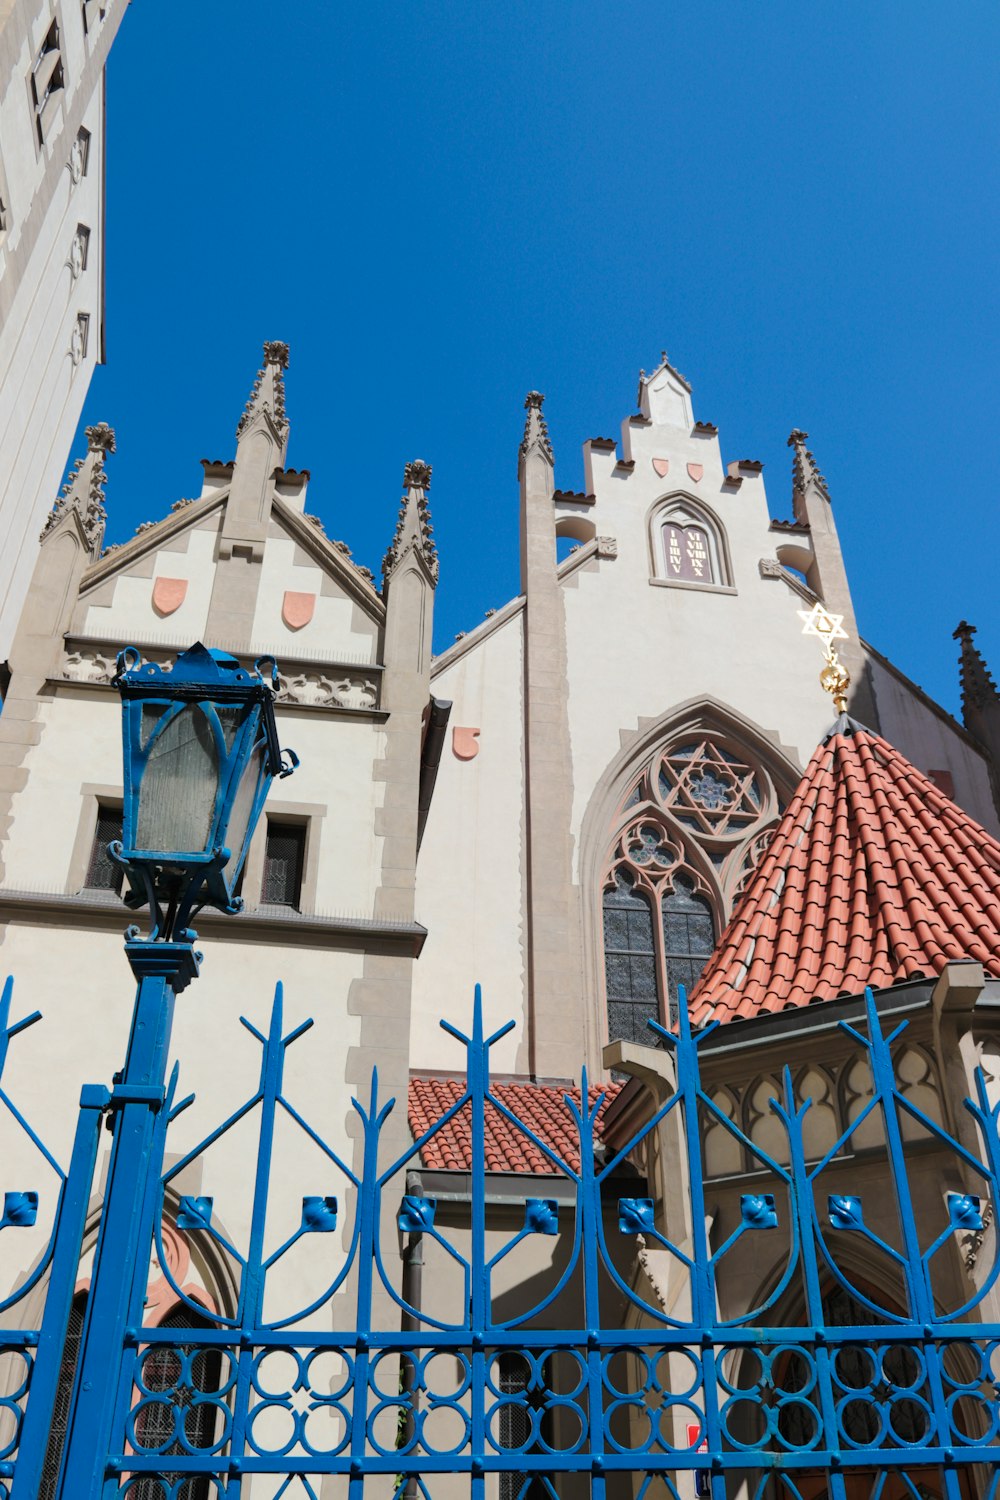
[709, 788]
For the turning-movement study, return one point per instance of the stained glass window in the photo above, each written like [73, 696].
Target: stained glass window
[629, 962]
[688, 938]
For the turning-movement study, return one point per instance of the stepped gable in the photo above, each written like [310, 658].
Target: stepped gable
[542, 1107]
[873, 876]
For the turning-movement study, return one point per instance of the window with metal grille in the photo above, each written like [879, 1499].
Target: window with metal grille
[629, 962]
[47, 81]
[514, 1418]
[173, 1406]
[284, 857]
[60, 1412]
[102, 872]
[688, 938]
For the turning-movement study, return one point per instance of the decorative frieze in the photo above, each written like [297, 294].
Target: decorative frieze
[316, 690]
[342, 688]
[88, 665]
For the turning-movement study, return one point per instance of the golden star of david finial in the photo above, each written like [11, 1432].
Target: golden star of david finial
[819, 621]
[835, 679]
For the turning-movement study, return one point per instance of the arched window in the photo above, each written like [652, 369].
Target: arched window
[692, 826]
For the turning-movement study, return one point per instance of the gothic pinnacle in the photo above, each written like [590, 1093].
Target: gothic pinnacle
[805, 470]
[536, 432]
[414, 532]
[267, 397]
[83, 491]
[978, 687]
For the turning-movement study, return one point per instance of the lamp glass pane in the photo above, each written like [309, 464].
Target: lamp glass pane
[179, 785]
[239, 818]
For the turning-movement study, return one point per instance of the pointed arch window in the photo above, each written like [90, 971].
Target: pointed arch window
[688, 546]
[691, 829]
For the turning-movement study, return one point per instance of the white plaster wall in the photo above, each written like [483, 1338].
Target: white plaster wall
[337, 772]
[82, 984]
[469, 872]
[41, 391]
[637, 650]
[131, 613]
[335, 628]
[80, 742]
[932, 744]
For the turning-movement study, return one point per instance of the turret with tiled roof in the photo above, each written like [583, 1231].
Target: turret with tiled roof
[873, 877]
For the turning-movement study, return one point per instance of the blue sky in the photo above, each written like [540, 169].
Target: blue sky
[442, 205]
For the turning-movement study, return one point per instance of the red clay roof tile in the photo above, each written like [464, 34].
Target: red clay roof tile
[506, 1147]
[873, 876]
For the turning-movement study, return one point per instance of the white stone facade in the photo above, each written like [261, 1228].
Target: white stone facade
[52, 163]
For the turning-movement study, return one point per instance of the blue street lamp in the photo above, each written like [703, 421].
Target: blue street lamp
[200, 750]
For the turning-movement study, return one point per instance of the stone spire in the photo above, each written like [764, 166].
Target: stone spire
[980, 703]
[978, 688]
[806, 475]
[267, 398]
[261, 445]
[536, 432]
[826, 574]
[83, 491]
[414, 532]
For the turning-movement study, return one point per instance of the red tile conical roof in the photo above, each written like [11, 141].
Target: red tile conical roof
[873, 876]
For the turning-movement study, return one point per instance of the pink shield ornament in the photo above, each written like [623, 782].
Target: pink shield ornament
[465, 743]
[662, 466]
[297, 609]
[696, 471]
[168, 594]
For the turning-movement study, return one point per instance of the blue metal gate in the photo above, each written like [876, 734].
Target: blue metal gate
[634, 1399]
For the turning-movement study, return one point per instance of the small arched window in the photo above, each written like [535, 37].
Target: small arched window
[658, 934]
[688, 546]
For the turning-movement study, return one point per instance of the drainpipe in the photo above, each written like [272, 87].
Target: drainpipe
[412, 1289]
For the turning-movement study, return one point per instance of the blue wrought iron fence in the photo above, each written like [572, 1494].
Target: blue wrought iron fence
[848, 1394]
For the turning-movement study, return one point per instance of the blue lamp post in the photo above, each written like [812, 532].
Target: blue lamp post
[200, 750]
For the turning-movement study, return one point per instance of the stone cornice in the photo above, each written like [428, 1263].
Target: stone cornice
[260, 925]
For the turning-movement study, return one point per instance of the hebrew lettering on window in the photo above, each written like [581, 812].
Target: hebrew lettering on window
[687, 554]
